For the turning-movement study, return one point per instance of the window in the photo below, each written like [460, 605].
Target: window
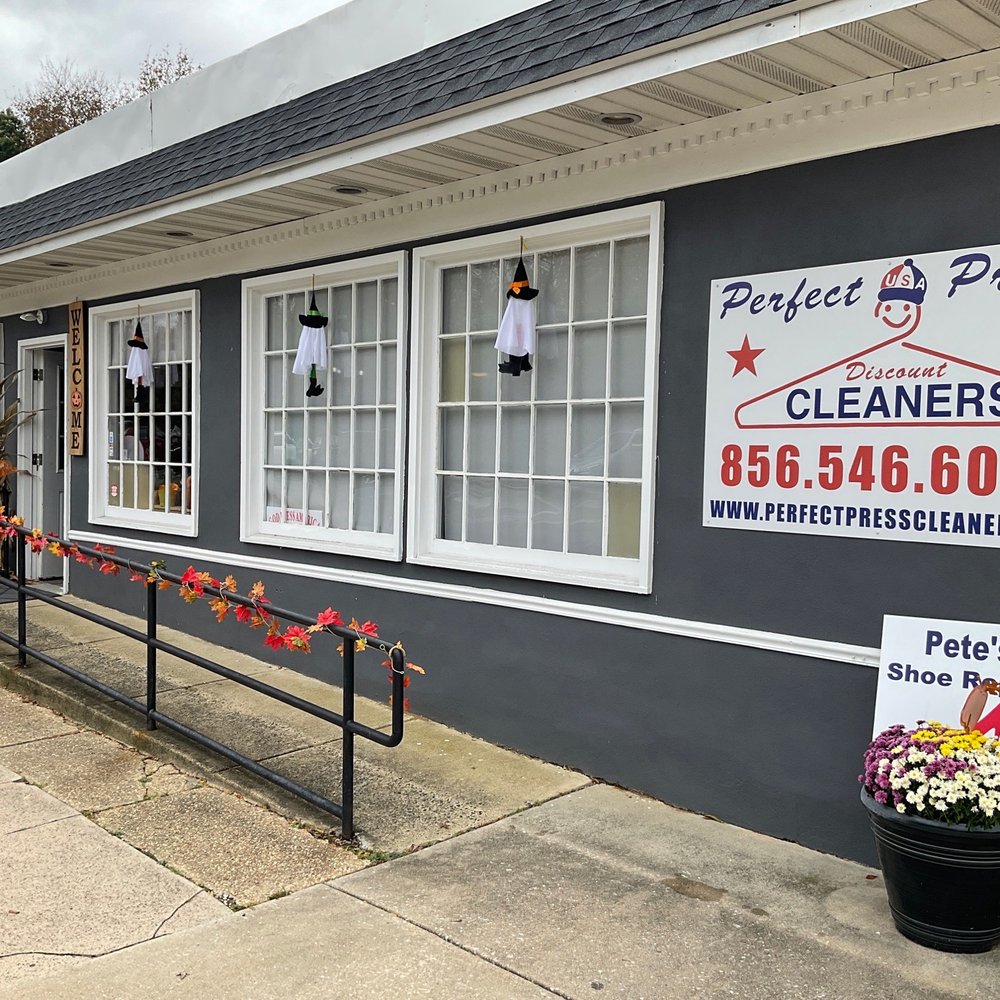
[323, 472]
[144, 446]
[548, 474]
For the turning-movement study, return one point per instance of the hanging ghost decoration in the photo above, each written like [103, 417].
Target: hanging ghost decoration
[140, 365]
[312, 347]
[516, 336]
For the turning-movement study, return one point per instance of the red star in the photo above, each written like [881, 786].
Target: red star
[746, 357]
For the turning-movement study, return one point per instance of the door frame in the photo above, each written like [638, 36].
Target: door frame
[25, 348]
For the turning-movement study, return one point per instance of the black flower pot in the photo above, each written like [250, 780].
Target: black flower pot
[943, 882]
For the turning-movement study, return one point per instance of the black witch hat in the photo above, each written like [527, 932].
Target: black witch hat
[519, 286]
[314, 317]
[137, 338]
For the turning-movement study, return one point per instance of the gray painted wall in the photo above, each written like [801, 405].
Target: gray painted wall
[769, 741]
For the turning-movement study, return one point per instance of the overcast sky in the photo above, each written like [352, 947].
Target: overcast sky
[115, 35]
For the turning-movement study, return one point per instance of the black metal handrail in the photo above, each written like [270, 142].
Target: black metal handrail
[345, 719]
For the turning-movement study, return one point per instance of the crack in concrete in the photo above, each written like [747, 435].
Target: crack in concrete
[38, 826]
[39, 739]
[166, 920]
[441, 936]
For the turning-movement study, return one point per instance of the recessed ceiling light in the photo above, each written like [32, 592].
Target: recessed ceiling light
[350, 189]
[178, 234]
[619, 118]
[58, 263]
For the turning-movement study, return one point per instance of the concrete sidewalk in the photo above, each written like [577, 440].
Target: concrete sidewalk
[558, 887]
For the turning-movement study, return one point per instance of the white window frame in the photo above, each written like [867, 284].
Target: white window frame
[254, 528]
[606, 572]
[100, 511]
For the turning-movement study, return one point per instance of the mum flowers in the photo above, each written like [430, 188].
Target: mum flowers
[936, 773]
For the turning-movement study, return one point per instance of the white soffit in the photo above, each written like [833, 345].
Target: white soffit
[738, 79]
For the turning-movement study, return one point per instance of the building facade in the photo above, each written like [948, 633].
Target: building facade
[613, 561]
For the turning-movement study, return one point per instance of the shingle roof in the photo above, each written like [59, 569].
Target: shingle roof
[543, 42]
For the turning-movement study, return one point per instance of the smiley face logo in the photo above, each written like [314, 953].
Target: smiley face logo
[76, 400]
[901, 298]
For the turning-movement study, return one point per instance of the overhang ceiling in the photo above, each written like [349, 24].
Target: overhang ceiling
[908, 38]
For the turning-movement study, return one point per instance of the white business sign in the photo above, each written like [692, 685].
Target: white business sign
[929, 667]
[858, 399]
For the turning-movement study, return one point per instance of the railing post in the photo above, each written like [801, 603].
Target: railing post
[22, 602]
[347, 774]
[151, 587]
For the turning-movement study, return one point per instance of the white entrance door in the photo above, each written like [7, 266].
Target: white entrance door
[43, 452]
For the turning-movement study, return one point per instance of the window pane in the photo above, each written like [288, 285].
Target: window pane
[364, 503]
[451, 508]
[483, 368]
[274, 366]
[272, 493]
[452, 442]
[628, 359]
[341, 316]
[387, 439]
[387, 374]
[479, 513]
[551, 364]
[624, 508]
[365, 376]
[386, 503]
[340, 439]
[341, 361]
[275, 331]
[316, 439]
[454, 300]
[340, 499]
[485, 296]
[547, 515]
[366, 322]
[586, 517]
[389, 307]
[590, 360]
[516, 388]
[453, 370]
[316, 498]
[631, 268]
[512, 520]
[515, 439]
[625, 444]
[587, 451]
[293, 490]
[364, 441]
[294, 439]
[295, 306]
[482, 439]
[114, 484]
[275, 436]
[590, 282]
[114, 390]
[550, 441]
[553, 277]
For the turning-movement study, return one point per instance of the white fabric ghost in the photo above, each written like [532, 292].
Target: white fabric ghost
[140, 366]
[516, 335]
[312, 350]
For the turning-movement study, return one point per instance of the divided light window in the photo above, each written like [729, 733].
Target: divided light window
[143, 451]
[546, 474]
[323, 471]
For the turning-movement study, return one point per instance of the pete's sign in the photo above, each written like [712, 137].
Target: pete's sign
[929, 668]
[77, 383]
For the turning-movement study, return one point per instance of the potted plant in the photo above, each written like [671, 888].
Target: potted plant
[933, 799]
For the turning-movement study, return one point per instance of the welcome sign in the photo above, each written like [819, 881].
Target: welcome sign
[858, 399]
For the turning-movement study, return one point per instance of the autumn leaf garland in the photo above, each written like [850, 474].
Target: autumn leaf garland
[192, 589]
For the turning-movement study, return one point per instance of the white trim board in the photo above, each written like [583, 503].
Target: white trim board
[939, 99]
[793, 645]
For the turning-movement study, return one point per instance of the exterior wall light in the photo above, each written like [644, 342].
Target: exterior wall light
[34, 317]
